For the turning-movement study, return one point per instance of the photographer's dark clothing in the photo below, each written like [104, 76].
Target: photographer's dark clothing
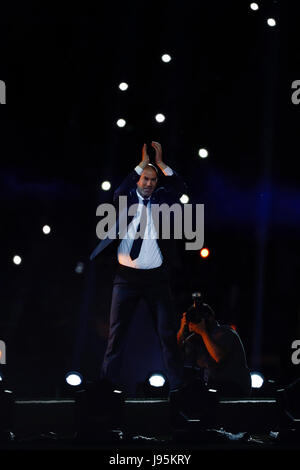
[231, 375]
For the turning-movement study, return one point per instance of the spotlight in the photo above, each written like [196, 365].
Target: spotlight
[121, 123]
[262, 386]
[204, 252]
[74, 379]
[157, 380]
[257, 380]
[160, 117]
[46, 229]
[106, 185]
[254, 6]
[166, 58]
[155, 385]
[123, 86]
[79, 267]
[203, 153]
[184, 199]
[71, 383]
[17, 259]
[271, 22]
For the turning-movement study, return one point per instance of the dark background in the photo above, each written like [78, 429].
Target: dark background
[228, 89]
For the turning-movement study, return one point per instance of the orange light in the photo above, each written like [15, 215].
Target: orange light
[204, 252]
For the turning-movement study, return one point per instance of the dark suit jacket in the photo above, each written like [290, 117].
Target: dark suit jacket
[169, 192]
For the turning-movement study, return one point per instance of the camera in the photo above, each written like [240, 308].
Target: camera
[198, 310]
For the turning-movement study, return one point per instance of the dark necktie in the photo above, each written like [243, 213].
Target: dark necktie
[137, 242]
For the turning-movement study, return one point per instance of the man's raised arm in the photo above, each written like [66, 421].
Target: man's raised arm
[174, 182]
[130, 181]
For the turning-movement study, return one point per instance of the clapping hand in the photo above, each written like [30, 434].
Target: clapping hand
[158, 155]
[145, 157]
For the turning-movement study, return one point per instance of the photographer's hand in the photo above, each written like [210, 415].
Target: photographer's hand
[217, 342]
[198, 328]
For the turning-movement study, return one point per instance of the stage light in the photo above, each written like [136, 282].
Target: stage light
[71, 383]
[271, 22]
[204, 252]
[166, 58]
[203, 153]
[157, 380]
[254, 6]
[46, 229]
[160, 117]
[155, 385]
[184, 199]
[121, 123]
[106, 185]
[123, 86]
[17, 259]
[79, 267]
[73, 378]
[257, 380]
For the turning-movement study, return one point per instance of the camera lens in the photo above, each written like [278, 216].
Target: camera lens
[196, 295]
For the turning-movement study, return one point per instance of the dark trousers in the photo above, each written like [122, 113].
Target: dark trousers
[130, 285]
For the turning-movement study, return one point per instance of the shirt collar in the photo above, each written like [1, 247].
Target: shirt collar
[141, 198]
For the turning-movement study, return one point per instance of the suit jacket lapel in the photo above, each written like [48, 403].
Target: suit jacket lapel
[120, 222]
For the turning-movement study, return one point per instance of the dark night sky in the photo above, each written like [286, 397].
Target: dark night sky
[228, 89]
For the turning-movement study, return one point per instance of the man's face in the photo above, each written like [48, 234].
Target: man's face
[147, 182]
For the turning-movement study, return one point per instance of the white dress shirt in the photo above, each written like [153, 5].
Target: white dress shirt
[150, 255]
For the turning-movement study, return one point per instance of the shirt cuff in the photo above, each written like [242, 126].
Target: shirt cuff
[168, 171]
[139, 170]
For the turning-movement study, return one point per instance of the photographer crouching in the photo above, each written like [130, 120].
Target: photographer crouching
[214, 352]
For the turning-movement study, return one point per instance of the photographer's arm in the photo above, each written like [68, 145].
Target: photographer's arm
[186, 347]
[218, 344]
[183, 331]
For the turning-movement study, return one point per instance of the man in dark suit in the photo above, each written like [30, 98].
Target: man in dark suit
[142, 269]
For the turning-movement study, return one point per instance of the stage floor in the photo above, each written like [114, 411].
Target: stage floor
[148, 426]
